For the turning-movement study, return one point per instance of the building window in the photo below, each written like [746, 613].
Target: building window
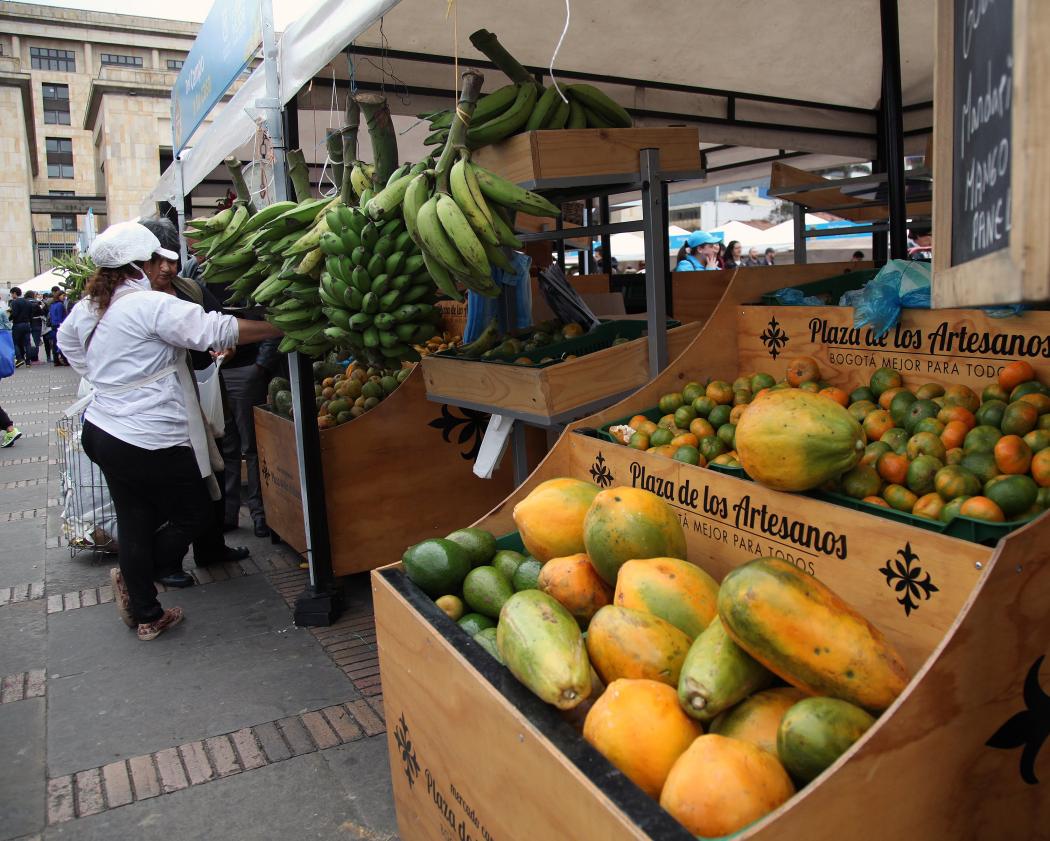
[175, 63]
[43, 58]
[63, 222]
[56, 104]
[61, 193]
[122, 60]
[59, 157]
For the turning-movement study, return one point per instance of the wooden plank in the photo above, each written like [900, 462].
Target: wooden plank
[729, 521]
[572, 153]
[783, 175]
[279, 477]
[942, 346]
[548, 391]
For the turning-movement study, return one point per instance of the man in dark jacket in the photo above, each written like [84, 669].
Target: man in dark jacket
[23, 311]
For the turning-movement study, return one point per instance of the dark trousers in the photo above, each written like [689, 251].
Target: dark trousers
[5, 420]
[48, 340]
[34, 330]
[210, 545]
[23, 339]
[161, 504]
[245, 388]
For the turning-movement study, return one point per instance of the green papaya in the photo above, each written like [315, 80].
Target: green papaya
[817, 731]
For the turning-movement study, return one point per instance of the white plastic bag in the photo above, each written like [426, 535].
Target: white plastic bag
[211, 399]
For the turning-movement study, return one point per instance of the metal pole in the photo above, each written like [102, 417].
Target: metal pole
[606, 239]
[270, 105]
[800, 234]
[893, 121]
[585, 260]
[180, 208]
[655, 259]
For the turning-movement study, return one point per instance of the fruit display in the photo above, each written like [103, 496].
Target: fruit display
[525, 105]
[718, 700]
[924, 450]
[443, 340]
[342, 394]
[495, 345]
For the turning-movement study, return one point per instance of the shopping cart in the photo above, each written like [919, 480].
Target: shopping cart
[89, 522]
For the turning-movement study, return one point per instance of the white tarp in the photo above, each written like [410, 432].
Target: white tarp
[313, 40]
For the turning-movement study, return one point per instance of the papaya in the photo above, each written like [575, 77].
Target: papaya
[817, 731]
[624, 643]
[757, 719]
[577, 716]
[720, 785]
[792, 440]
[675, 590]
[626, 523]
[801, 631]
[717, 673]
[550, 518]
[573, 582]
[638, 726]
[542, 646]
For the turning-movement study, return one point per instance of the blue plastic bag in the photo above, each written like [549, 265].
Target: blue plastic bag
[481, 310]
[7, 354]
[899, 284]
[791, 297]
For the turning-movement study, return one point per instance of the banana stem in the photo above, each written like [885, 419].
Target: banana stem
[457, 135]
[349, 137]
[299, 174]
[240, 186]
[334, 140]
[381, 131]
[487, 43]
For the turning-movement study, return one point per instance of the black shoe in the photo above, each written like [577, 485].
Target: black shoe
[230, 554]
[178, 580]
[261, 529]
[230, 525]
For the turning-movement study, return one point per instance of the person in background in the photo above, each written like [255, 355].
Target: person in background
[143, 426]
[11, 433]
[36, 323]
[599, 258]
[752, 257]
[922, 236]
[22, 327]
[734, 258]
[56, 314]
[699, 253]
[210, 547]
[770, 258]
[856, 258]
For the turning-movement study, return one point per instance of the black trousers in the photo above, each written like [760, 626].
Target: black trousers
[245, 388]
[23, 339]
[5, 420]
[161, 504]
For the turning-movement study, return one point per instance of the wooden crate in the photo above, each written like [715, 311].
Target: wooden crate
[973, 633]
[548, 392]
[397, 475]
[540, 159]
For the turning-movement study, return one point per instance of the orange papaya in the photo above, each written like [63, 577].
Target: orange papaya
[550, 518]
[757, 719]
[624, 643]
[802, 631]
[625, 523]
[673, 589]
[720, 785]
[575, 584]
[638, 726]
[792, 440]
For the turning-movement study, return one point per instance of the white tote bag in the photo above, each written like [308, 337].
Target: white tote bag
[211, 398]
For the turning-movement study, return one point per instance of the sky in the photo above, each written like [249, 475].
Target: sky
[284, 11]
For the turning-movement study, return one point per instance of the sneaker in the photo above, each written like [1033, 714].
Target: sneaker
[10, 437]
[121, 597]
[19, 363]
[151, 630]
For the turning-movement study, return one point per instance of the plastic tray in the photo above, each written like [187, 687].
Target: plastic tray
[835, 287]
[599, 338]
[962, 528]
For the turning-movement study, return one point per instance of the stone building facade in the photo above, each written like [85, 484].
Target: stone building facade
[86, 100]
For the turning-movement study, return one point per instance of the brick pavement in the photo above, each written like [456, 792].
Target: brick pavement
[50, 789]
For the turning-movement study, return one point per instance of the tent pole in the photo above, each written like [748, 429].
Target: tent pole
[892, 118]
[799, 219]
[180, 210]
[606, 239]
[654, 230]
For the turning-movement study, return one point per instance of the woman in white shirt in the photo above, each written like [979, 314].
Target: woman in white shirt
[143, 426]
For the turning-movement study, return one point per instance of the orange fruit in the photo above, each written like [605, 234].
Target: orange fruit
[961, 395]
[982, 508]
[954, 481]
[721, 392]
[883, 379]
[893, 467]
[929, 391]
[1012, 454]
[926, 443]
[1016, 373]
[899, 497]
[1040, 401]
[954, 455]
[957, 413]
[876, 500]
[1020, 418]
[637, 421]
[738, 412]
[701, 427]
[886, 398]
[811, 387]
[928, 506]
[861, 409]
[836, 394]
[1041, 468]
[686, 439]
[953, 434]
[802, 369]
[873, 451]
[863, 480]
[877, 423]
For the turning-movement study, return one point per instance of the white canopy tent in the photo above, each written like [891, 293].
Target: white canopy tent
[42, 282]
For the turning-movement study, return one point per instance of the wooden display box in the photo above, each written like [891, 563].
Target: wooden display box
[396, 475]
[546, 393]
[542, 159]
[473, 754]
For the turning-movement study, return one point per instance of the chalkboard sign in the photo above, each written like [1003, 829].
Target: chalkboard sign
[983, 96]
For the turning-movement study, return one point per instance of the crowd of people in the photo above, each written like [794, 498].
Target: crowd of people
[34, 322]
[703, 251]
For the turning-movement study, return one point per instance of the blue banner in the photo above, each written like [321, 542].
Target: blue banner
[225, 44]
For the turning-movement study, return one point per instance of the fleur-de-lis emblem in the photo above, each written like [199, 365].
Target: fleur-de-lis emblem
[774, 338]
[264, 471]
[408, 753]
[600, 472]
[1028, 728]
[472, 433]
[907, 579]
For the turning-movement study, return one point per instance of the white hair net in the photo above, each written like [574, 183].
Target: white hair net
[125, 243]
